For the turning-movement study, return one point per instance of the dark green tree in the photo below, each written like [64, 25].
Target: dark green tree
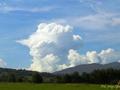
[11, 77]
[67, 78]
[37, 78]
[76, 77]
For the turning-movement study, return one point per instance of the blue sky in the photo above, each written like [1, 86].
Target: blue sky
[97, 22]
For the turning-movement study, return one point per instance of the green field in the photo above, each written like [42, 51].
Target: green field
[24, 86]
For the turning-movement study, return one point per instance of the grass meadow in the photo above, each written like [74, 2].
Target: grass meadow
[27, 86]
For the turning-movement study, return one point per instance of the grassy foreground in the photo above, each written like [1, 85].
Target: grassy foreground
[24, 86]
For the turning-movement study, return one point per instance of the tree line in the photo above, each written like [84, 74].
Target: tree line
[13, 77]
[104, 76]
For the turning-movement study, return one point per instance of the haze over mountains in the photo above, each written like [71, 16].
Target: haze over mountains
[89, 68]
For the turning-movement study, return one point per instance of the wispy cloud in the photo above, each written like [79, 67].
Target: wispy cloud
[98, 21]
[102, 5]
[4, 8]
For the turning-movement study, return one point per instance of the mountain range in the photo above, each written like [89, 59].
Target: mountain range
[88, 68]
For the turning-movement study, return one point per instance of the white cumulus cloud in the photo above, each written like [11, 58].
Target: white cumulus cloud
[49, 46]
[75, 58]
[105, 56]
[55, 47]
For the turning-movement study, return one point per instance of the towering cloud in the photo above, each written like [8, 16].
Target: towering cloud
[2, 63]
[54, 47]
[49, 46]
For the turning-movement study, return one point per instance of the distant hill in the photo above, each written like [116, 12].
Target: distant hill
[88, 68]
[22, 73]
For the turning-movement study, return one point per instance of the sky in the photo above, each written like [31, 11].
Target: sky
[58, 34]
